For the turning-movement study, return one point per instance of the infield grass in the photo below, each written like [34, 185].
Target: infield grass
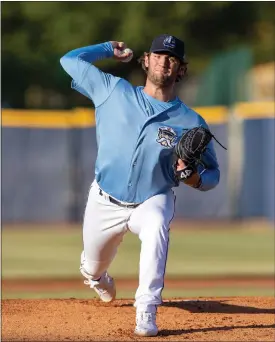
[55, 252]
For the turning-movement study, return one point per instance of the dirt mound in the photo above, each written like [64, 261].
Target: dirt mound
[201, 319]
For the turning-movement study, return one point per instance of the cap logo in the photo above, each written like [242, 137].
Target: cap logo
[169, 42]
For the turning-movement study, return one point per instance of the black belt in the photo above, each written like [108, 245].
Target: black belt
[113, 200]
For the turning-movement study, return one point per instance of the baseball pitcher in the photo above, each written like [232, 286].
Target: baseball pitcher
[149, 141]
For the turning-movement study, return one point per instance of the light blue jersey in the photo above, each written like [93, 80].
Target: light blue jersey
[136, 133]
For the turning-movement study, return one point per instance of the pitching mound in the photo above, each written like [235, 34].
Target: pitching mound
[203, 319]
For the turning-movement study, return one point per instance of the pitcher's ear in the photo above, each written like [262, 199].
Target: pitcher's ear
[146, 60]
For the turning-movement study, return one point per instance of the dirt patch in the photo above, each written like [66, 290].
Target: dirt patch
[37, 285]
[202, 319]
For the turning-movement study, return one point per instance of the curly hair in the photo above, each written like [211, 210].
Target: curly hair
[141, 60]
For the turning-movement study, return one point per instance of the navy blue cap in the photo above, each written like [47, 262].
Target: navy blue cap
[168, 43]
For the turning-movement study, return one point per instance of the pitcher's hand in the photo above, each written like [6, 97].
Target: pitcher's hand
[118, 51]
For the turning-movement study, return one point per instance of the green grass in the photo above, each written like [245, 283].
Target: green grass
[50, 252]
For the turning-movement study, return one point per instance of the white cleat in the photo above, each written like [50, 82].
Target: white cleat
[146, 324]
[104, 287]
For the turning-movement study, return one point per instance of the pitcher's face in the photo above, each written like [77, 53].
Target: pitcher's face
[163, 68]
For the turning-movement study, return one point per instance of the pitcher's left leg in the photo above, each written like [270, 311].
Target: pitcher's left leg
[151, 222]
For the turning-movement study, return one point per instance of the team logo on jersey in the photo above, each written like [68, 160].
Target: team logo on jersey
[167, 137]
[169, 42]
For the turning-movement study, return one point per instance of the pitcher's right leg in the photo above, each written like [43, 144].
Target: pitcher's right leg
[103, 229]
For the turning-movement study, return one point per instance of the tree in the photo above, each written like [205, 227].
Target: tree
[36, 34]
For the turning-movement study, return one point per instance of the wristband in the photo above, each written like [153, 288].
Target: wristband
[185, 173]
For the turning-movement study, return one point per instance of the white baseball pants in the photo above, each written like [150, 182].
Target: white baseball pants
[105, 224]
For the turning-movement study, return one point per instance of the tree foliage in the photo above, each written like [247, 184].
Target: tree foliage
[36, 34]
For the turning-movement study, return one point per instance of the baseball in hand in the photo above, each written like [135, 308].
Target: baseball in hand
[127, 50]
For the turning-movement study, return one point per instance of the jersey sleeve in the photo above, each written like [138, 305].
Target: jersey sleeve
[209, 171]
[86, 77]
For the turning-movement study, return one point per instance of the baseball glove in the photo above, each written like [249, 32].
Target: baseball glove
[190, 148]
